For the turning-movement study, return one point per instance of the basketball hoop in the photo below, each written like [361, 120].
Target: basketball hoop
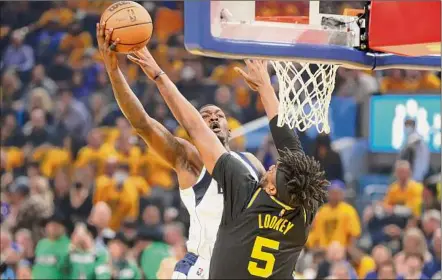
[305, 94]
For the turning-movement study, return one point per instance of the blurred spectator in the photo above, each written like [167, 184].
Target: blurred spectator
[122, 267]
[404, 192]
[26, 211]
[62, 184]
[18, 56]
[414, 265]
[36, 130]
[100, 218]
[387, 270]
[78, 204]
[151, 250]
[361, 262]
[394, 81]
[24, 270]
[73, 114]
[430, 223]
[433, 268]
[12, 90]
[118, 193]
[151, 215]
[75, 42]
[330, 160]
[85, 261]
[413, 243]
[23, 238]
[90, 154]
[415, 150]
[356, 84]
[336, 221]
[39, 98]
[52, 252]
[381, 255]
[224, 100]
[431, 196]
[59, 70]
[39, 79]
[335, 255]
[11, 133]
[9, 254]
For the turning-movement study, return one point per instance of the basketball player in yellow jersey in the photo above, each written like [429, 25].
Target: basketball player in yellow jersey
[201, 194]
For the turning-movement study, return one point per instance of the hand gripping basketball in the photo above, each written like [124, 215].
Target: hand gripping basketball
[106, 47]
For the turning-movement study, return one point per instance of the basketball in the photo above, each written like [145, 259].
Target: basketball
[130, 22]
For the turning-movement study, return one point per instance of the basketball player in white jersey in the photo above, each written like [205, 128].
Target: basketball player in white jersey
[199, 192]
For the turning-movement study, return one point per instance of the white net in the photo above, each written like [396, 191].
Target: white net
[304, 94]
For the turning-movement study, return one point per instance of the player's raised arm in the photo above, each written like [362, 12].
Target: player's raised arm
[208, 145]
[174, 150]
[258, 79]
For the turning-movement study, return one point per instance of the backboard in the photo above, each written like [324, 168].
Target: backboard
[328, 32]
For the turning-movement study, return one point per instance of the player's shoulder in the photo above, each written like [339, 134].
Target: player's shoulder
[256, 162]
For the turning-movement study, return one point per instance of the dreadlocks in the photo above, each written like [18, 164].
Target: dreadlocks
[305, 181]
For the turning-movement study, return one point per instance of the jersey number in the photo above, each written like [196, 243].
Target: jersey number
[258, 254]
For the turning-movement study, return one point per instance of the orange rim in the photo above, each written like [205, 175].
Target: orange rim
[285, 19]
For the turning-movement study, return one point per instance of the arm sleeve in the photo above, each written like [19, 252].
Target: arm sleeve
[237, 185]
[284, 137]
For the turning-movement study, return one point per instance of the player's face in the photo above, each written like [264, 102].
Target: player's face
[216, 120]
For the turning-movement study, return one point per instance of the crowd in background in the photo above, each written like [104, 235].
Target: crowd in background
[83, 197]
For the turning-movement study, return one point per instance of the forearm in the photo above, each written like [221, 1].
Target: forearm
[284, 137]
[269, 101]
[127, 100]
[184, 112]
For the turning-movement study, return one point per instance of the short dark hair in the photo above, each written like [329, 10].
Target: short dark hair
[305, 181]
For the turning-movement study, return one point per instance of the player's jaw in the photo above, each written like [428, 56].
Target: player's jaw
[268, 181]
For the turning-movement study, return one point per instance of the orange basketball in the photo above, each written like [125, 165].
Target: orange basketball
[130, 22]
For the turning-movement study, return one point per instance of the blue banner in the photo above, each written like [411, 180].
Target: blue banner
[388, 114]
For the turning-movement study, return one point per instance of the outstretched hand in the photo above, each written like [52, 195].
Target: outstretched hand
[106, 47]
[146, 61]
[257, 76]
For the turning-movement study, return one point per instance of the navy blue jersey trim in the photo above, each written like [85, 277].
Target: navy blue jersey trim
[201, 187]
[246, 159]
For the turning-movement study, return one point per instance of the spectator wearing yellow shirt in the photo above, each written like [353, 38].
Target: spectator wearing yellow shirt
[335, 221]
[123, 151]
[395, 81]
[118, 192]
[75, 42]
[90, 154]
[362, 263]
[404, 191]
[59, 13]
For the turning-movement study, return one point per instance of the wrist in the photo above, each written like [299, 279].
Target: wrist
[159, 76]
[266, 89]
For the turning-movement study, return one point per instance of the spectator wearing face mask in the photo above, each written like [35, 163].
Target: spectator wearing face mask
[415, 151]
[121, 196]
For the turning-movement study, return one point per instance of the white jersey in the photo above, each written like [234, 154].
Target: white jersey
[205, 204]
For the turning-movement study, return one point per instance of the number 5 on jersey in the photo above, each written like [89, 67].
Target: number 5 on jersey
[258, 254]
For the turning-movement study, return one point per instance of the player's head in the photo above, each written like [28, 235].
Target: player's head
[216, 120]
[296, 180]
